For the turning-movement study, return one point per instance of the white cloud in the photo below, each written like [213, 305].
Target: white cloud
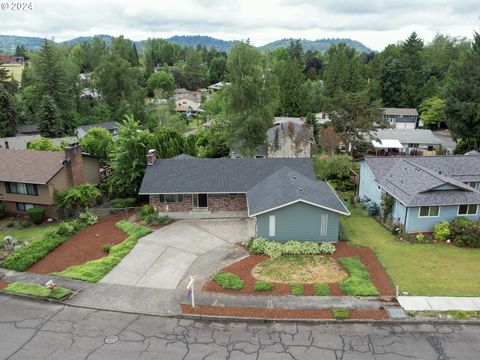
[375, 23]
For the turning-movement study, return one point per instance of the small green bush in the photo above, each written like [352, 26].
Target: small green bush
[147, 210]
[107, 247]
[441, 231]
[297, 289]
[24, 223]
[359, 283]
[36, 215]
[465, 232]
[66, 229]
[228, 280]
[276, 249]
[156, 219]
[321, 289]
[420, 237]
[341, 314]
[263, 285]
[120, 203]
[11, 223]
[2, 211]
[87, 218]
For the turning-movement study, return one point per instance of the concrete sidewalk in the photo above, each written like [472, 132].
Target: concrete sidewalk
[439, 303]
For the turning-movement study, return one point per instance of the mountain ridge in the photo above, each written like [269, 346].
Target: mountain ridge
[9, 42]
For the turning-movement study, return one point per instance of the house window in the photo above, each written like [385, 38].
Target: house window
[24, 206]
[429, 211]
[323, 225]
[171, 198]
[470, 209]
[21, 188]
[271, 225]
[472, 184]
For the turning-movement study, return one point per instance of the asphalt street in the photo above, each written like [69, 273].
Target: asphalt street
[31, 330]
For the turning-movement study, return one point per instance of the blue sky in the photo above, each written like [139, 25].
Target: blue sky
[375, 23]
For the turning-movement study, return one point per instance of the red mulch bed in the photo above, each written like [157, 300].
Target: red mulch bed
[243, 269]
[279, 313]
[84, 246]
[3, 284]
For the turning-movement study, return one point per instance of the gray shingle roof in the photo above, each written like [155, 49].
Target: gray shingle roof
[283, 130]
[287, 186]
[111, 125]
[408, 136]
[400, 111]
[215, 175]
[413, 180]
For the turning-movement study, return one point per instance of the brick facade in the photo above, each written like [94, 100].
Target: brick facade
[216, 203]
[11, 209]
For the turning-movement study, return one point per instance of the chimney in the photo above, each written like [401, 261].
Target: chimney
[74, 164]
[151, 157]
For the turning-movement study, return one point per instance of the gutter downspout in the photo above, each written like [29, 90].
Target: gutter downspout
[405, 221]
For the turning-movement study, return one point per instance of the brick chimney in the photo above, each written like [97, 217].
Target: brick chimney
[74, 165]
[151, 157]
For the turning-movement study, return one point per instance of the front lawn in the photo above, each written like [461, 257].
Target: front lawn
[29, 234]
[419, 269]
[39, 291]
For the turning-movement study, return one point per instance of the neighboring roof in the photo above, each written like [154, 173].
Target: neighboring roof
[182, 157]
[29, 166]
[218, 85]
[215, 175]
[413, 180]
[408, 136]
[20, 142]
[111, 125]
[27, 129]
[282, 120]
[400, 111]
[287, 186]
[387, 144]
[472, 152]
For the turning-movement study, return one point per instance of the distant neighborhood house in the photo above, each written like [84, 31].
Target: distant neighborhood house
[282, 195]
[406, 141]
[290, 137]
[21, 142]
[401, 118]
[426, 190]
[111, 126]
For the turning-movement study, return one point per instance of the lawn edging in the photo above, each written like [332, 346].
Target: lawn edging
[94, 270]
[37, 291]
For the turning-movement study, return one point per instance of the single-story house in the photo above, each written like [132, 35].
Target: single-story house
[426, 189]
[401, 118]
[187, 105]
[406, 141]
[111, 126]
[282, 194]
[29, 178]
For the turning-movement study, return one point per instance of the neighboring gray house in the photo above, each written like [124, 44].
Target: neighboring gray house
[289, 137]
[411, 140]
[111, 126]
[427, 190]
[401, 118]
[283, 195]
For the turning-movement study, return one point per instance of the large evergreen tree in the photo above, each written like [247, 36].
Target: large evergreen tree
[413, 73]
[463, 97]
[292, 92]
[50, 122]
[9, 114]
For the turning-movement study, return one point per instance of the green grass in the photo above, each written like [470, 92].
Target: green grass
[321, 289]
[35, 290]
[297, 289]
[95, 270]
[341, 314]
[419, 269]
[263, 285]
[359, 283]
[228, 280]
[30, 234]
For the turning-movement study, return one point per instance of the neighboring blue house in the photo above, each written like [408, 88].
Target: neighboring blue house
[282, 194]
[426, 189]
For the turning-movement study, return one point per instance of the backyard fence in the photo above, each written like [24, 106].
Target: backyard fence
[101, 211]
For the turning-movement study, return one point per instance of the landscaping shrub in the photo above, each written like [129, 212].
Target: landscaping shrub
[458, 226]
[24, 223]
[95, 270]
[156, 219]
[465, 232]
[228, 280]
[120, 203]
[371, 207]
[107, 248]
[321, 289]
[297, 289]
[147, 210]
[341, 314]
[441, 231]
[87, 218]
[420, 238]
[22, 259]
[35, 290]
[36, 215]
[275, 249]
[2, 211]
[263, 285]
[11, 223]
[359, 283]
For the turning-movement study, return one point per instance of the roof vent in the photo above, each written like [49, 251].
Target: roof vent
[440, 172]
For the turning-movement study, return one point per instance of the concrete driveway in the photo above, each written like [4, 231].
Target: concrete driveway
[160, 259]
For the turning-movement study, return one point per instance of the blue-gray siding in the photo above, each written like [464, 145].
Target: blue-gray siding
[368, 186]
[299, 221]
[415, 223]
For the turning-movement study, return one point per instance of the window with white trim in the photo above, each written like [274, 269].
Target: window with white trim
[323, 225]
[429, 211]
[470, 209]
[271, 225]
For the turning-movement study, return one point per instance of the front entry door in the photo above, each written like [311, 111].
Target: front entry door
[200, 201]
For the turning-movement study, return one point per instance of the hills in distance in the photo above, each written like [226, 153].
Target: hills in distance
[9, 42]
